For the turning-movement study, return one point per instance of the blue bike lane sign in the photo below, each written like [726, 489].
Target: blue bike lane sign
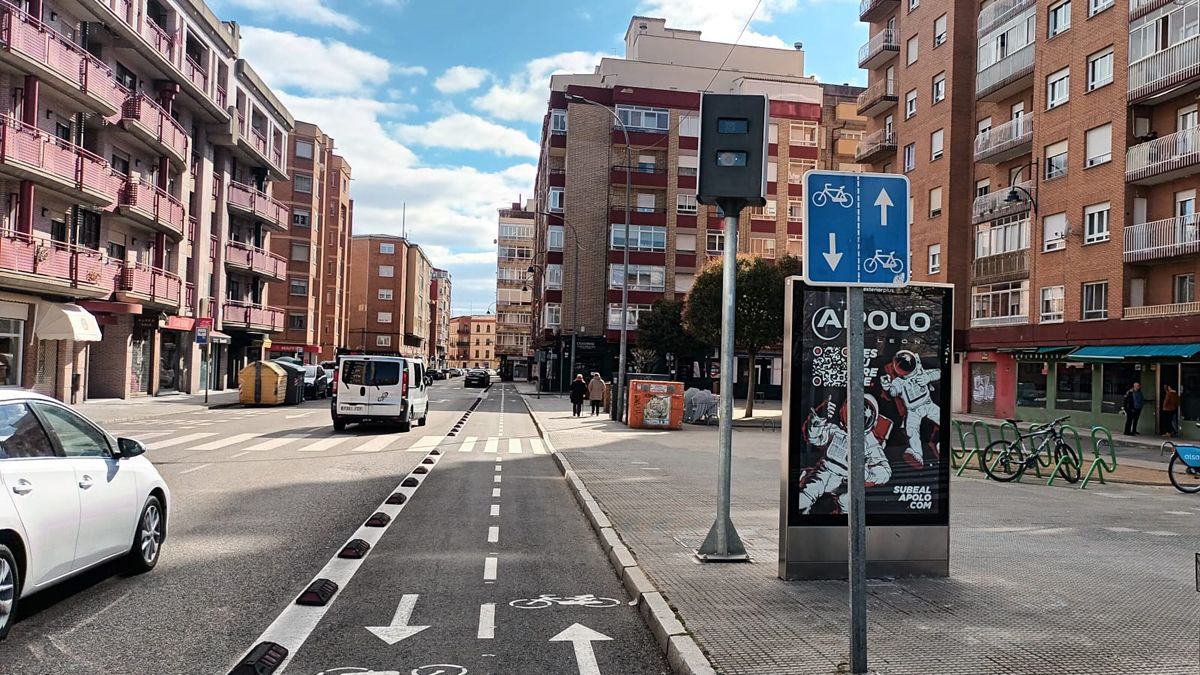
[856, 230]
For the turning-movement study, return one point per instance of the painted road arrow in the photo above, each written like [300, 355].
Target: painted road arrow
[883, 201]
[399, 629]
[581, 637]
[832, 256]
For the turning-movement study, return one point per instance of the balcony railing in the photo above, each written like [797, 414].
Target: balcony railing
[44, 261]
[162, 41]
[28, 150]
[193, 230]
[866, 8]
[213, 244]
[151, 283]
[1164, 70]
[258, 203]
[195, 73]
[222, 97]
[154, 205]
[249, 315]
[995, 205]
[255, 259]
[1001, 11]
[991, 321]
[877, 96]
[260, 141]
[885, 41]
[877, 141]
[1163, 158]
[1008, 70]
[1162, 238]
[1157, 311]
[1000, 268]
[156, 123]
[1004, 140]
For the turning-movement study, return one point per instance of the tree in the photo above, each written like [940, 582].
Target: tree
[758, 321]
[662, 330]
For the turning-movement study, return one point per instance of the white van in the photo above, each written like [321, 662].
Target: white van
[379, 389]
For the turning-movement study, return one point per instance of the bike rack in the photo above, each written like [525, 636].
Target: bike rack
[957, 454]
[1064, 458]
[978, 430]
[1099, 466]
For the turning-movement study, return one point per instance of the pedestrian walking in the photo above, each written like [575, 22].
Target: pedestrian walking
[1168, 412]
[579, 391]
[595, 390]
[1134, 401]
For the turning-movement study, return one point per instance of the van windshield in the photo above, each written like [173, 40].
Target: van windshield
[385, 373]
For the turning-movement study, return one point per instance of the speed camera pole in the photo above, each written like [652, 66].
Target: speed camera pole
[858, 492]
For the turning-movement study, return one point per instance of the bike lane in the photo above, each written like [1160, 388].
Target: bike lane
[492, 524]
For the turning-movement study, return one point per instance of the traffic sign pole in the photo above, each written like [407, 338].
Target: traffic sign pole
[856, 424]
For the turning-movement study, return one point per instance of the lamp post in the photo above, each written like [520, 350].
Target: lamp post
[1013, 197]
[618, 394]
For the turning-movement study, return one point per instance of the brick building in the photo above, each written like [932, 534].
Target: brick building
[314, 252]
[474, 341]
[440, 297]
[139, 154]
[1068, 140]
[514, 298]
[389, 295]
[842, 127]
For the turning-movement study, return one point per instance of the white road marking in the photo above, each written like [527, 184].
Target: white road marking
[1121, 530]
[468, 444]
[143, 435]
[195, 468]
[1162, 533]
[323, 444]
[496, 479]
[375, 444]
[1178, 513]
[650, 468]
[292, 417]
[222, 442]
[271, 444]
[491, 445]
[489, 568]
[494, 534]
[179, 440]
[495, 511]
[536, 445]
[498, 468]
[581, 638]
[240, 454]
[495, 492]
[639, 462]
[424, 443]
[399, 629]
[487, 621]
[514, 446]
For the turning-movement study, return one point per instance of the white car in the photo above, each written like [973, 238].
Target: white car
[74, 497]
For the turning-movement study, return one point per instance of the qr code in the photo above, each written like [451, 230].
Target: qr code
[829, 367]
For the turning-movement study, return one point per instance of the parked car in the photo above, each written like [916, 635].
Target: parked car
[329, 367]
[439, 374]
[380, 389]
[316, 382]
[456, 372]
[74, 497]
[477, 378]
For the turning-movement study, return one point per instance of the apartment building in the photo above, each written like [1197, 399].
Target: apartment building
[135, 147]
[389, 295]
[474, 341]
[1084, 160]
[312, 255]
[515, 268]
[439, 319]
[582, 173]
[842, 128]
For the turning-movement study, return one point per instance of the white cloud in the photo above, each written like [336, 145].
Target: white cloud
[458, 79]
[312, 11]
[410, 70]
[524, 95]
[286, 60]
[721, 20]
[461, 131]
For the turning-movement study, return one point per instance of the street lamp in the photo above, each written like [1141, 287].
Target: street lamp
[1013, 197]
[618, 396]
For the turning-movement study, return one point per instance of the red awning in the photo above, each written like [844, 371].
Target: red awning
[289, 347]
[174, 322]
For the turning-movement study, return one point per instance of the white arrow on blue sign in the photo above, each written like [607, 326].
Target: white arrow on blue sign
[856, 230]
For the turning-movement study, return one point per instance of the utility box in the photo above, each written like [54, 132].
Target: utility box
[732, 165]
[655, 404]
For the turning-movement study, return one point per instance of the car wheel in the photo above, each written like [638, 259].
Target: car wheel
[339, 424]
[148, 538]
[10, 589]
[421, 422]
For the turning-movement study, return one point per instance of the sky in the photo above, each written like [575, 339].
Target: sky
[437, 105]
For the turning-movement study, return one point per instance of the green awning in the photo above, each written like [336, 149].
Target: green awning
[1103, 353]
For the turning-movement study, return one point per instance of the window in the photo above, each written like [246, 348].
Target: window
[910, 157]
[1100, 68]
[1095, 300]
[302, 183]
[762, 247]
[1058, 87]
[685, 243]
[514, 252]
[555, 199]
[714, 242]
[795, 212]
[552, 316]
[686, 204]
[384, 294]
[387, 249]
[936, 144]
[1185, 288]
[641, 277]
[772, 133]
[514, 231]
[631, 317]
[642, 237]
[688, 165]
[1074, 390]
[21, 435]
[77, 436]
[910, 104]
[301, 217]
[982, 187]
[1097, 6]
[935, 258]
[913, 4]
[1099, 145]
[766, 211]
[299, 252]
[125, 77]
[804, 133]
[1000, 304]
[296, 321]
[383, 317]
[558, 121]
[935, 202]
[1056, 160]
[645, 119]
[554, 276]
[298, 286]
[910, 51]
[1052, 304]
[939, 87]
[797, 168]
[1031, 385]
[554, 237]
[1060, 17]
[383, 340]
[1054, 232]
[304, 149]
[939, 31]
[689, 125]
[387, 271]
[1095, 223]
[1003, 235]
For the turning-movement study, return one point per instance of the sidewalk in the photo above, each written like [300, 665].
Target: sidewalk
[110, 411]
[1043, 579]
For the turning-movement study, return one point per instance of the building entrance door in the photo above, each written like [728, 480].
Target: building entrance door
[983, 389]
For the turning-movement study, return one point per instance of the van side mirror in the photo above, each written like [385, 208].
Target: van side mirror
[129, 447]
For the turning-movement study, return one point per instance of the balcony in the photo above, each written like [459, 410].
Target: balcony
[255, 260]
[878, 97]
[881, 48]
[1159, 311]
[253, 142]
[1140, 8]
[1006, 77]
[39, 265]
[995, 205]
[29, 153]
[637, 216]
[1162, 239]
[31, 46]
[248, 316]
[993, 321]
[1006, 141]
[245, 199]
[1163, 159]
[639, 176]
[999, 12]
[875, 145]
[153, 125]
[195, 73]
[870, 11]
[1167, 71]
[150, 285]
[995, 269]
[153, 207]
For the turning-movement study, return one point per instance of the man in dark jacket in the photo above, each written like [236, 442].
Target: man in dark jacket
[1134, 401]
[579, 392]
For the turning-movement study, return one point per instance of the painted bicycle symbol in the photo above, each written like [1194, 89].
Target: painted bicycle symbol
[836, 195]
[543, 601]
[888, 261]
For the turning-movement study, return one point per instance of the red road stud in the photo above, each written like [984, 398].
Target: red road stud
[354, 549]
[420, 469]
[396, 498]
[410, 482]
[264, 659]
[318, 593]
[427, 460]
[379, 520]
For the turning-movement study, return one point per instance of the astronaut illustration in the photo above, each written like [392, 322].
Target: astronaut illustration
[829, 476]
[911, 383]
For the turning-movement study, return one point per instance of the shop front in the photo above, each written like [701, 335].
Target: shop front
[175, 342]
[310, 354]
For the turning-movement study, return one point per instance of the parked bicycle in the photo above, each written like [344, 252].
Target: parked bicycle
[1007, 460]
[888, 261]
[1184, 468]
[836, 195]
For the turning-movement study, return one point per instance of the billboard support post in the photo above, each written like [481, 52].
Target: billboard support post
[858, 492]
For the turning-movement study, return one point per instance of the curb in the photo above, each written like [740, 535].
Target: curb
[683, 654]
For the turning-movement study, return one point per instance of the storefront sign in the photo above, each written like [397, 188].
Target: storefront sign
[204, 322]
[201, 336]
[175, 322]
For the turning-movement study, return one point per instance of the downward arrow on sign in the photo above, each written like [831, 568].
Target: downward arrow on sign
[581, 637]
[832, 256]
[399, 629]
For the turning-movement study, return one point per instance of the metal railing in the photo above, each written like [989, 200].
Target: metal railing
[991, 321]
[996, 205]
[196, 73]
[1009, 68]
[1001, 11]
[256, 259]
[30, 148]
[153, 283]
[874, 142]
[876, 92]
[162, 41]
[157, 122]
[72, 265]
[249, 314]
[1003, 137]
[884, 40]
[1167, 153]
[865, 7]
[258, 203]
[155, 204]
[1162, 238]
[1007, 266]
[1166, 68]
[1156, 311]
